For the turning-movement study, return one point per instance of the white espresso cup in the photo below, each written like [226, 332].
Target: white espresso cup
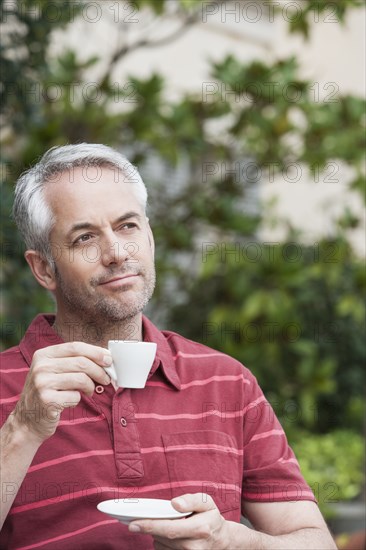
[132, 362]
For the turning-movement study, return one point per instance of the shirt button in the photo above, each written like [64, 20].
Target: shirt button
[99, 389]
[123, 422]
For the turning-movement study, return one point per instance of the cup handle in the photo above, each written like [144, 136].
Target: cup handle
[111, 371]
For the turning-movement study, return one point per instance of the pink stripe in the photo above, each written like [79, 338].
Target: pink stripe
[10, 399]
[25, 369]
[147, 450]
[62, 498]
[195, 355]
[200, 447]
[68, 535]
[204, 381]
[156, 384]
[254, 403]
[93, 490]
[81, 420]
[189, 416]
[266, 434]
[214, 379]
[67, 458]
[280, 495]
[293, 460]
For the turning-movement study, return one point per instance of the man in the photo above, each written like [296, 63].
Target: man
[200, 432]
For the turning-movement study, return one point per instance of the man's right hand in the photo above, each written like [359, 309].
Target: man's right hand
[57, 376]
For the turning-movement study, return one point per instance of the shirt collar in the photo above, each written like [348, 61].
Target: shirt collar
[40, 334]
[164, 354]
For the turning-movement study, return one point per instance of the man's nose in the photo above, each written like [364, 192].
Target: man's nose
[114, 251]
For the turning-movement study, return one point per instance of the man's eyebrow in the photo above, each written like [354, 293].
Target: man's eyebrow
[128, 216]
[86, 225]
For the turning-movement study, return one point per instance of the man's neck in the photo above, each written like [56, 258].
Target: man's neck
[94, 332]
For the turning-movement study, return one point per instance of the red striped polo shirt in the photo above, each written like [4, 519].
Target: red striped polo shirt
[201, 424]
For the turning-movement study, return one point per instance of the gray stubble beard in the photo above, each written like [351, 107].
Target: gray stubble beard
[105, 312]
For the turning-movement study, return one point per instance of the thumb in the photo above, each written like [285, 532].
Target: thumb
[197, 502]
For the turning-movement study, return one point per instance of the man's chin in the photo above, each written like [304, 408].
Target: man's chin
[117, 311]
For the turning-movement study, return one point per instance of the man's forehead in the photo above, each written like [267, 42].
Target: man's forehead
[85, 182]
[90, 174]
[78, 196]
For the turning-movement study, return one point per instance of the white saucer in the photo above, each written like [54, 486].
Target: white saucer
[129, 509]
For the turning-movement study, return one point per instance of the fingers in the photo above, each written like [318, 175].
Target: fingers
[71, 381]
[53, 409]
[57, 378]
[172, 529]
[74, 357]
[70, 398]
[61, 368]
[194, 502]
[76, 364]
[197, 526]
[99, 355]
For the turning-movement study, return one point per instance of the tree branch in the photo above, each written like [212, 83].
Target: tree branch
[125, 50]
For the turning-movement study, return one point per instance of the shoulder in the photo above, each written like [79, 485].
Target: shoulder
[188, 351]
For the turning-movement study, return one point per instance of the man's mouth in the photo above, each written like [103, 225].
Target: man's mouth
[119, 279]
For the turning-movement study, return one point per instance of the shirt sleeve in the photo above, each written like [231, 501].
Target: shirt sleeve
[271, 472]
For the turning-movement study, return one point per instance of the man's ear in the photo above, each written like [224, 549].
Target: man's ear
[41, 269]
[151, 238]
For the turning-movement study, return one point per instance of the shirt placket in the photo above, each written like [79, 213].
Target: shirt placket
[126, 440]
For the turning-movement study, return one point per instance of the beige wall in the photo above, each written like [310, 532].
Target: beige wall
[333, 59]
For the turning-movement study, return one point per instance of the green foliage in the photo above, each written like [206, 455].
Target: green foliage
[332, 464]
[291, 313]
[157, 5]
[316, 10]
[267, 100]
[23, 54]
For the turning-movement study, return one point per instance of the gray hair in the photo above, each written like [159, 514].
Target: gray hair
[31, 212]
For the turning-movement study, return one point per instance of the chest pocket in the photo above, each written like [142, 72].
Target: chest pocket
[205, 461]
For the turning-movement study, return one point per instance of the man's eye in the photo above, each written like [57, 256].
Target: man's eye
[82, 238]
[129, 225]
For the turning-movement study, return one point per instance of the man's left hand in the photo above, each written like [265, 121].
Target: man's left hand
[206, 528]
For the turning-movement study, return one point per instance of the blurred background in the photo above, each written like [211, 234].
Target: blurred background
[246, 120]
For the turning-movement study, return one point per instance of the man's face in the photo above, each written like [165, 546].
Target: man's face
[102, 245]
